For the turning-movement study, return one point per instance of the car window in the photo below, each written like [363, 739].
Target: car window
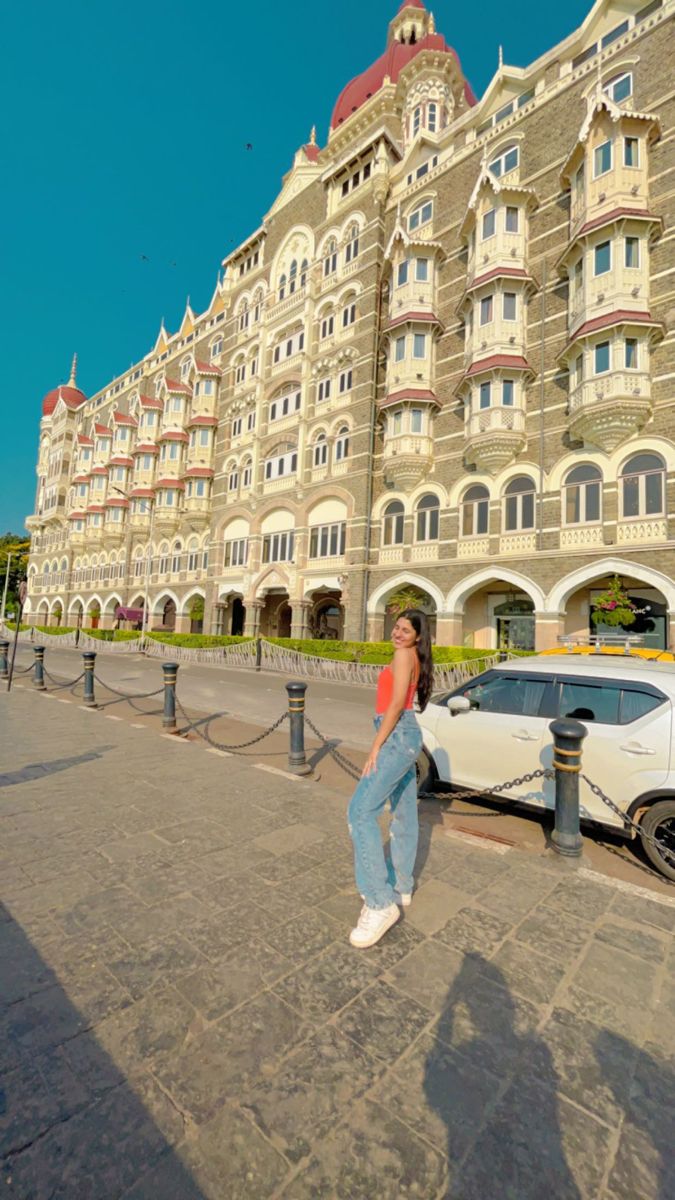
[507, 694]
[635, 704]
[590, 702]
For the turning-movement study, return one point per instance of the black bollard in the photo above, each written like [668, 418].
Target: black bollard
[170, 671]
[89, 657]
[39, 668]
[567, 738]
[258, 653]
[297, 759]
[4, 665]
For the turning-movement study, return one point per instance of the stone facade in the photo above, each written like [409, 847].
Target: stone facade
[444, 360]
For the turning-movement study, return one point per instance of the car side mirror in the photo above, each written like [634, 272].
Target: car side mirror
[458, 704]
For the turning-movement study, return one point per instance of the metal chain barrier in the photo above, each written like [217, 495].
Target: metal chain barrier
[204, 733]
[629, 822]
[24, 670]
[471, 793]
[128, 695]
[341, 759]
[59, 687]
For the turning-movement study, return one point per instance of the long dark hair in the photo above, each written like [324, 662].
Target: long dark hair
[425, 683]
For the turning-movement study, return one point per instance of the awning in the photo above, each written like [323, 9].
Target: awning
[128, 614]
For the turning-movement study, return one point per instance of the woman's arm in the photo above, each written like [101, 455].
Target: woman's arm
[402, 668]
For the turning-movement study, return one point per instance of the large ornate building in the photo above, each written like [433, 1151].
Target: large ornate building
[446, 358]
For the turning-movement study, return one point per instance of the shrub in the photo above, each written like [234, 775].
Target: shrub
[55, 630]
[371, 652]
[198, 641]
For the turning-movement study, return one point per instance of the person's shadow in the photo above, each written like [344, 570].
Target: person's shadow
[649, 1114]
[497, 1094]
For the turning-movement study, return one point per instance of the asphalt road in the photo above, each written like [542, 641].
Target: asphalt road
[337, 709]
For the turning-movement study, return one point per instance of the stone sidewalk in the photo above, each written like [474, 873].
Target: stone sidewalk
[182, 1017]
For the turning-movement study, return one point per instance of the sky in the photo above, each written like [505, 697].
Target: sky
[126, 175]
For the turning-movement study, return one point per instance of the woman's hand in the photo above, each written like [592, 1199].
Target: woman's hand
[370, 764]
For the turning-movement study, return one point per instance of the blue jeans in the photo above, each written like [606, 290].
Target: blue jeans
[394, 779]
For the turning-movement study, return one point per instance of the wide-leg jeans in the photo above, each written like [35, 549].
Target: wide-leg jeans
[394, 779]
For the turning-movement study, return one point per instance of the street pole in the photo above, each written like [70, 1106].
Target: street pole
[4, 593]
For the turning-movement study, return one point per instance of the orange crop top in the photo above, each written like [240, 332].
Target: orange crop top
[385, 691]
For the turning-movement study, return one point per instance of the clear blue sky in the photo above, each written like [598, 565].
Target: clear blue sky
[124, 129]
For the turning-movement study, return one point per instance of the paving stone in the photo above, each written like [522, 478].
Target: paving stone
[227, 862]
[643, 1167]
[35, 1096]
[293, 865]
[214, 1066]
[606, 972]
[343, 907]
[170, 1179]
[141, 968]
[247, 970]
[441, 1095]
[325, 984]
[230, 1158]
[486, 1024]
[525, 972]
[649, 946]
[383, 1022]
[427, 974]
[148, 924]
[152, 1030]
[581, 898]
[316, 885]
[38, 1023]
[433, 902]
[238, 888]
[512, 897]
[474, 930]
[294, 837]
[606, 1013]
[644, 912]
[131, 847]
[535, 1144]
[591, 1068]
[474, 871]
[307, 1095]
[559, 935]
[372, 1156]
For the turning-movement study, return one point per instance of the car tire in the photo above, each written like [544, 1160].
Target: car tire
[659, 822]
[426, 772]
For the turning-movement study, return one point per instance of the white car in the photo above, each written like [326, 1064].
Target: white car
[496, 727]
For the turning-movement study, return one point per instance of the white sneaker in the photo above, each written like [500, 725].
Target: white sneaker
[373, 924]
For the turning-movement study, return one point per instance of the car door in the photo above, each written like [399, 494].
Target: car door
[501, 736]
[628, 747]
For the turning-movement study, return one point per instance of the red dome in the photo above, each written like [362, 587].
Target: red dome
[72, 396]
[391, 63]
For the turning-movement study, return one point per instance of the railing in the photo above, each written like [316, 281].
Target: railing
[486, 420]
[617, 384]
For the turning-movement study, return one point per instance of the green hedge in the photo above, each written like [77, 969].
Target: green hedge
[113, 635]
[198, 641]
[371, 652]
[55, 630]
[12, 625]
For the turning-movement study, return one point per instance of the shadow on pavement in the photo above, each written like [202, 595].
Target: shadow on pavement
[650, 1116]
[37, 770]
[71, 1127]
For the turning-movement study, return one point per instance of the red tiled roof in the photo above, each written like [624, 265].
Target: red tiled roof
[199, 472]
[121, 460]
[622, 316]
[146, 448]
[124, 419]
[311, 152]
[401, 318]
[175, 483]
[389, 66]
[613, 214]
[515, 362]
[76, 516]
[117, 503]
[174, 385]
[99, 471]
[408, 394]
[102, 429]
[150, 402]
[495, 273]
[206, 368]
[72, 397]
[84, 441]
[174, 435]
[210, 421]
[81, 479]
[143, 491]
[95, 508]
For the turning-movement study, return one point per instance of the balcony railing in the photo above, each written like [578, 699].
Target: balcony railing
[500, 418]
[616, 384]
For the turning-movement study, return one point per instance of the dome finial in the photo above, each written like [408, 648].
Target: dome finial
[312, 136]
[72, 382]
[432, 23]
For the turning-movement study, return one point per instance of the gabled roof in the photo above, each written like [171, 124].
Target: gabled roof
[103, 429]
[487, 179]
[121, 418]
[207, 368]
[599, 102]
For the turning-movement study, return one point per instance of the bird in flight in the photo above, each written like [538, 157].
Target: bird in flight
[144, 258]
[249, 145]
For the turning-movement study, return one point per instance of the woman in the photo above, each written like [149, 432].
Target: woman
[389, 774]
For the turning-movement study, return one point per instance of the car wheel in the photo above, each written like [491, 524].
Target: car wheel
[426, 772]
[659, 822]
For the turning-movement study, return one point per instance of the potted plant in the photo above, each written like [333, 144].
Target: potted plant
[614, 606]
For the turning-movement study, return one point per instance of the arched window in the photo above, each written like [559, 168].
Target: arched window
[519, 504]
[475, 511]
[432, 118]
[292, 278]
[176, 556]
[233, 479]
[582, 495]
[257, 306]
[417, 120]
[392, 534]
[349, 314]
[643, 486]
[247, 474]
[327, 324]
[282, 287]
[193, 554]
[507, 160]
[303, 272]
[352, 247]
[185, 368]
[243, 317]
[330, 259]
[163, 558]
[320, 452]
[421, 215]
[342, 444]
[428, 513]
[620, 87]
[216, 348]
